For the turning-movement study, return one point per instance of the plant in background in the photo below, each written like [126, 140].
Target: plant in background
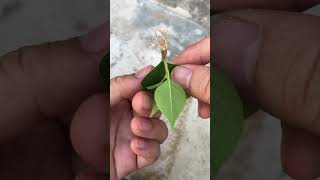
[228, 119]
[229, 114]
[168, 96]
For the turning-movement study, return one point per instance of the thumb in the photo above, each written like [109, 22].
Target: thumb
[276, 57]
[195, 79]
[125, 87]
[48, 81]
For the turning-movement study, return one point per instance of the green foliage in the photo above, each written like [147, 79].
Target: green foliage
[169, 97]
[227, 123]
[156, 77]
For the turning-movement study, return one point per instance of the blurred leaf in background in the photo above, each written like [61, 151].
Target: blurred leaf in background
[228, 120]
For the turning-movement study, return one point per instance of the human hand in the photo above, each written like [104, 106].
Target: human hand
[273, 58]
[135, 138]
[193, 74]
[41, 89]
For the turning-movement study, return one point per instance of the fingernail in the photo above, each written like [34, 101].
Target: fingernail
[182, 76]
[147, 103]
[143, 72]
[141, 144]
[96, 40]
[145, 124]
[235, 48]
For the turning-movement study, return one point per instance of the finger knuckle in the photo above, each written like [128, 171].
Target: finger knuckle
[311, 95]
[153, 156]
[164, 133]
[116, 83]
[311, 91]
[205, 89]
[13, 60]
[302, 90]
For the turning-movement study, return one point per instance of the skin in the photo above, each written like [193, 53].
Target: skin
[37, 116]
[194, 58]
[41, 89]
[135, 138]
[53, 114]
[300, 145]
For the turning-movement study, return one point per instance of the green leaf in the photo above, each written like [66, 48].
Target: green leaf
[155, 109]
[171, 99]
[156, 77]
[156, 85]
[228, 119]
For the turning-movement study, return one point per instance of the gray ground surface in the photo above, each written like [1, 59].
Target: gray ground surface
[37, 21]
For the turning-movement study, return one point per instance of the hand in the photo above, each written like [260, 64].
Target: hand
[273, 58]
[135, 138]
[41, 89]
[194, 76]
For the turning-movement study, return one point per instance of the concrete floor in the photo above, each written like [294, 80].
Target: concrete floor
[36, 21]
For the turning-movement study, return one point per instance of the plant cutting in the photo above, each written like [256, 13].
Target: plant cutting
[169, 98]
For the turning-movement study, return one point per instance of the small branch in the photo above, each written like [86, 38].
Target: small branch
[164, 54]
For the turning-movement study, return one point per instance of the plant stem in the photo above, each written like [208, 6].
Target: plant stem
[169, 84]
[166, 69]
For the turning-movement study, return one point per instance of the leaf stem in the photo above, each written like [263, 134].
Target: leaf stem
[169, 85]
[166, 69]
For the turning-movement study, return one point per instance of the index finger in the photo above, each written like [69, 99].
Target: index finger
[291, 5]
[198, 53]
